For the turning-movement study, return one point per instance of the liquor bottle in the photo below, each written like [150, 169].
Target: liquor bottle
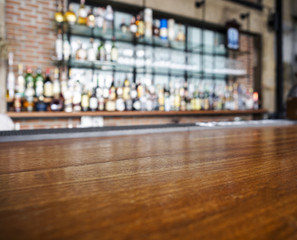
[101, 52]
[63, 82]
[92, 53]
[171, 29]
[126, 94]
[99, 93]
[82, 13]
[230, 100]
[171, 95]
[18, 102]
[193, 101]
[135, 100]
[56, 84]
[166, 101]
[57, 103]
[202, 99]
[255, 100]
[180, 34]
[66, 48]
[111, 102]
[235, 96]
[70, 16]
[20, 84]
[120, 104]
[249, 99]
[105, 90]
[161, 99]
[93, 102]
[100, 98]
[68, 99]
[77, 97]
[29, 82]
[215, 100]
[81, 53]
[156, 28]
[99, 17]
[29, 99]
[67, 91]
[59, 46]
[40, 105]
[177, 99]
[10, 79]
[241, 97]
[114, 51]
[140, 26]
[198, 99]
[112, 92]
[108, 17]
[107, 47]
[126, 89]
[185, 100]
[149, 105]
[123, 26]
[133, 27]
[154, 98]
[91, 19]
[163, 29]
[38, 83]
[139, 88]
[183, 104]
[143, 100]
[219, 99]
[59, 17]
[48, 85]
[188, 104]
[85, 100]
[148, 22]
[29, 92]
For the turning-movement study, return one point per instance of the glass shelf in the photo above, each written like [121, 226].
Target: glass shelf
[125, 37]
[100, 65]
[207, 49]
[192, 47]
[84, 31]
[190, 50]
[170, 69]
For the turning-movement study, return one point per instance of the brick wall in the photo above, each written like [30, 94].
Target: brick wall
[31, 31]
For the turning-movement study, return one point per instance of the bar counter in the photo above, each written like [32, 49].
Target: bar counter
[238, 183]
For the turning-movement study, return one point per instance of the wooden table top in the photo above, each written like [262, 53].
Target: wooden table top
[212, 184]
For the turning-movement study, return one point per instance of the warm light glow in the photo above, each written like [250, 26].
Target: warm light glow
[255, 96]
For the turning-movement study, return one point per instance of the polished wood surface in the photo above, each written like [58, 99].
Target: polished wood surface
[133, 113]
[208, 184]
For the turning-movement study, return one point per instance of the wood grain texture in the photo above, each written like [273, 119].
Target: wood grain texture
[212, 184]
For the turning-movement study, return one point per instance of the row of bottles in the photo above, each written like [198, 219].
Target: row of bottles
[141, 25]
[36, 92]
[25, 90]
[95, 17]
[104, 52]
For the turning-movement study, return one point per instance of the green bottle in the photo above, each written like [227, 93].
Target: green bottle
[38, 83]
[114, 51]
[101, 52]
[29, 80]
